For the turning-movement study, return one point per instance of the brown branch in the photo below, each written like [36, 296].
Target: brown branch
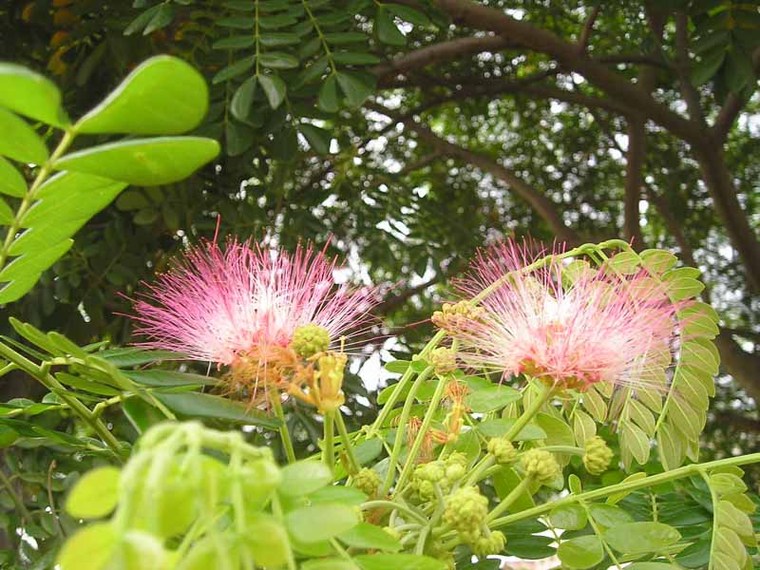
[542, 205]
[674, 226]
[444, 51]
[587, 29]
[617, 86]
[392, 303]
[731, 108]
[420, 163]
[688, 91]
[742, 365]
[737, 421]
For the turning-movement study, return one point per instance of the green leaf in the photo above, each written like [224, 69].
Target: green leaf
[408, 14]
[65, 203]
[707, 66]
[141, 20]
[90, 548]
[196, 405]
[338, 494]
[161, 19]
[657, 261]
[641, 537]
[168, 378]
[609, 515]
[320, 522]
[278, 60]
[274, 88]
[492, 398]
[386, 29]
[272, 39]
[569, 517]
[342, 38]
[399, 561]
[19, 141]
[318, 138]
[145, 162]
[242, 100]
[30, 94]
[304, 477]
[328, 95]
[6, 214]
[24, 271]
[96, 494]
[369, 536]
[355, 87]
[633, 441]
[12, 183]
[237, 68]
[500, 426]
[651, 566]
[235, 42]
[355, 58]
[329, 564]
[581, 552]
[162, 96]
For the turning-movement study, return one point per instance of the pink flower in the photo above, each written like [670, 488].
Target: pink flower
[247, 302]
[574, 330]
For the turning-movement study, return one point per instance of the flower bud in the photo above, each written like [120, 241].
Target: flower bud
[443, 360]
[309, 340]
[597, 457]
[502, 450]
[367, 481]
[451, 316]
[492, 543]
[466, 511]
[540, 465]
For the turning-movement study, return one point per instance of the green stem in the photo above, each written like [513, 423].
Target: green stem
[31, 195]
[353, 463]
[50, 382]
[507, 501]
[600, 535]
[18, 501]
[328, 451]
[714, 499]
[528, 414]
[400, 386]
[395, 505]
[401, 430]
[278, 512]
[411, 457]
[287, 443]
[626, 486]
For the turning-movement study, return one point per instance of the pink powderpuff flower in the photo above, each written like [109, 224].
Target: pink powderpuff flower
[246, 303]
[568, 329]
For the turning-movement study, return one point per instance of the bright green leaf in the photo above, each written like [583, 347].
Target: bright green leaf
[641, 537]
[320, 522]
[569, 517]
[12, 182]
[304, 477]
[492, 398]
[19, 141]
[145, 162]
[399, 561]
[96, 494]
[30, 94]
[581, 552]
[90, 548]
[369, 536]
[162, 96]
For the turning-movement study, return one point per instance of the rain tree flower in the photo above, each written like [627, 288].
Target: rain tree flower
[567, 328]
[267, 315]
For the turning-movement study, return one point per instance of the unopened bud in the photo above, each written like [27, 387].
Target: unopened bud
[540, 465]
[466, 509]
[598, 455]
[309, 340]
[502, 450]
[367, 481]
[443, 360]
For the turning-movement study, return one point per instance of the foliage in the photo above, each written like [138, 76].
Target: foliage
[410, 137]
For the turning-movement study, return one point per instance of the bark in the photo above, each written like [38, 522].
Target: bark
[743, 366]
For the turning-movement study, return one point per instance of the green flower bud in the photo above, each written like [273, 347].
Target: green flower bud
[492, 543]
[443, 360]
[598, 456]
[466, 510]
[367, 481]
[540, 465]
[455, 467]
[433, 471]
[309, 340]
[502, 450]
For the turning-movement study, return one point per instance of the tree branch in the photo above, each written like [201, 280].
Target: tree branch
[688, 91]
[587, 29]
[542, 205]
[743, 366]
[731, 108]
[543, 41]
[430, 55]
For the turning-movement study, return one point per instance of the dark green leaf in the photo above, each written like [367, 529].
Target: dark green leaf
[274, 88]
[196, 405]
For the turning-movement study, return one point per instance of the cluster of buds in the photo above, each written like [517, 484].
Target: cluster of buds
[466, 511]
[443, 360]
[597, 456]
[443, 473]
[367, 481]
[502, 450]
[452, 317]
[540, 465]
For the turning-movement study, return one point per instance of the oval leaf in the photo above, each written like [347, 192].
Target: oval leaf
[30, 94]
[641, 537]
[19, 141]
[320, 522]
[163, 96]
[145, 162]
[95, 495]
